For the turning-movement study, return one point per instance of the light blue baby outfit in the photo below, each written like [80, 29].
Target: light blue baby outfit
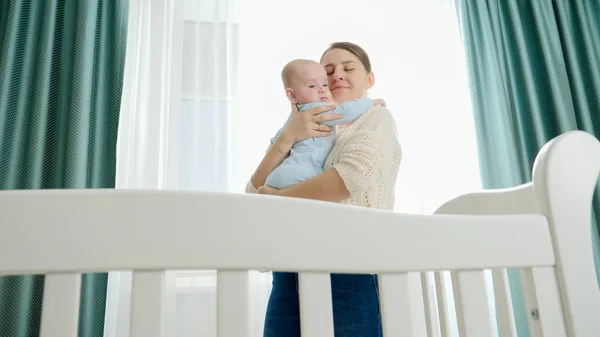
[307, 157]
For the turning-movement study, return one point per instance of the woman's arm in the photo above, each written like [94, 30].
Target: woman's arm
[327, 186]
[300, 126]
[274, 156]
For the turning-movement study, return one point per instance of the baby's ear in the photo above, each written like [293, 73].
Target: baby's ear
[291, 95]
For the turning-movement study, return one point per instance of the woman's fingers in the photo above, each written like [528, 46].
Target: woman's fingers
[306, 124]
[320, 109]
[321, 127]
[317, 114]
[268, 190]
[326, 117]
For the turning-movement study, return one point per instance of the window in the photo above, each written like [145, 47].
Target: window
[209, 97]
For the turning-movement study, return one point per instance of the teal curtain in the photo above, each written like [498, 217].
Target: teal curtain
[534, 73]
[61, 71]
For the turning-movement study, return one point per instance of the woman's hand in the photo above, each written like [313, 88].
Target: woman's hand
[379, 101]
[304, 125]
[269, 190]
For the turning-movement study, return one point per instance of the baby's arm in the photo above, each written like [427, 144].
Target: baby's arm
[351, 110]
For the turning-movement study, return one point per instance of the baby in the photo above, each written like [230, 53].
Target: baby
[305, 83]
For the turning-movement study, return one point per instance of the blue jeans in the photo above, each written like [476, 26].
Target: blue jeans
[355, 306]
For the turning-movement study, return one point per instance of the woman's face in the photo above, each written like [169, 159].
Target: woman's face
[347, 76]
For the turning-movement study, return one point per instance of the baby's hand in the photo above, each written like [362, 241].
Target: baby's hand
[379, 101]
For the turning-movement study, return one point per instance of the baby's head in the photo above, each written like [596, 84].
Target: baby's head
[305, 81]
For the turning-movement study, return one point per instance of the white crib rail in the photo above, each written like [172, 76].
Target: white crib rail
[165, 238]
[561, 190]
[62, 232]
[173, 230]
[517, 200]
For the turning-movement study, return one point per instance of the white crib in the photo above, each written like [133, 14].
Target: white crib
[542, 227]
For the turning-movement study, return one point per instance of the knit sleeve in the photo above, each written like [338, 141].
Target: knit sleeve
[368, 153]
[250, 187]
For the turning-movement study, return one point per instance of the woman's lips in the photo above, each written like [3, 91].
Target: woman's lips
[339, 87]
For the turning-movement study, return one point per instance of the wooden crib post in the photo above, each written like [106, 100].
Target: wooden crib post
[472, 304]
[542, 300]
[563, 193]
[401, 297]
[60, 313]
[316, 307]
[147, 304]
[429, 302]
[233, 303]
[503, 299]
[441, 277]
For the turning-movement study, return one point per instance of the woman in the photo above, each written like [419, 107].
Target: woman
[361, 170]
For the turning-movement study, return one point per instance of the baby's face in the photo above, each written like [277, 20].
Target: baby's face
[310, 84]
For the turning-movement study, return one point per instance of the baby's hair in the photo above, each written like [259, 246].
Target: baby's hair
[290, 67]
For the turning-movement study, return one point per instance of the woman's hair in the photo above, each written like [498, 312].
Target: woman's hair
[355, 50]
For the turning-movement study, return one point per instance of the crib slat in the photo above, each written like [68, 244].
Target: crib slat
[506, 316]
[60, 313]
[428, 285]
[402, 310]
[472, 306]
[316, 308]
[442, 301]
[147, 300]
[233, 304]
[542, 300]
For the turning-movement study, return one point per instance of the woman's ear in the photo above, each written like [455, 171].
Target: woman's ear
[291, 95]
[371, 80]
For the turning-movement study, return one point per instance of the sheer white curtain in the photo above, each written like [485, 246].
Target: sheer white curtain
[202, 96]
[147, 156]
[178, 94]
